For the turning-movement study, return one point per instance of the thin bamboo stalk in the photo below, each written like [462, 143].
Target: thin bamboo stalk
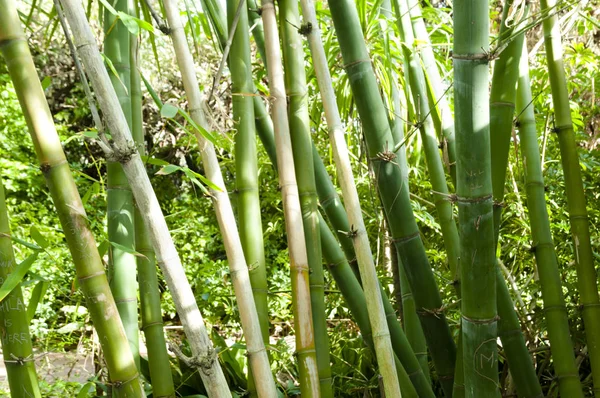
[246, 166]
[14, 325]
[580, 229]
[258, 32]
[88, 264]
[360, 239]
[474, 195]
[393, 190]
[119, 198]
[150, 300]
[418, 89]
[443, 115]
[257, 354]
[123, 148]
[305, 339]
[299, 120]
[545, 255]
[502, 106]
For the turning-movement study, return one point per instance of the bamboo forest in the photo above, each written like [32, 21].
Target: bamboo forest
[300, 198]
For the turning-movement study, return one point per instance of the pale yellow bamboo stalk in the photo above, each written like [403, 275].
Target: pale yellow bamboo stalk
[360, 239]
[240, 277]
[305, 343]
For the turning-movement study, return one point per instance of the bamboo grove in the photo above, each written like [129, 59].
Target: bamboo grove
[349, 103]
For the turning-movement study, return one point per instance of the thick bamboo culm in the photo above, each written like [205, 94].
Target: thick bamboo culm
[474, 196]
[80, 240]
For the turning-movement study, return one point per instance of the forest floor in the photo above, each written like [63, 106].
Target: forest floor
[56, 367]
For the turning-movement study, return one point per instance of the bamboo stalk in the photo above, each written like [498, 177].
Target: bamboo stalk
[299, 120]
[305, 339]
[167, 257]
[14, 325]
[580, 229]
[246, 165]
[360, 239]
[257, 354]
[547, 262]
[442, 115]
[393, 190]
[120, 209]
[150, 300]
[475, 204]
[502, 106]
[88, 264]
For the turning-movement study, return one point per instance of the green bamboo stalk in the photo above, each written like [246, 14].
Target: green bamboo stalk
[442, 116]
[246, 164]
[393, 190]
[121, 261]
[303, 319]
[333, 254]
[580, 230]
[258, 32]
[382, 341]
[547, 262]
[475, 204]
[123, 148]
[299, 120]
[502, 106]
[150, 307]
[257, 354]
[88, 264]
[14, 325]
[418, 89]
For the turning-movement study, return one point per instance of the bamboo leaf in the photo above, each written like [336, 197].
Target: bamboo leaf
[127, 250]
[23, 242]
[191, 174]
[168, 169]
[112, 69]
[37, 296]
[46, 82]
[16, 276]
[103, 248]
[110, 8]
[85, 391]
[154, 161]
[37, 236]
[169, 111]
[134, 24]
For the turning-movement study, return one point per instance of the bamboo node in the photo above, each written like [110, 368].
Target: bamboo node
[123, 155]
[19, 361]
[436, 312]
[405, 239]
[120, 383]
[481, 321]
[498, 204]
[452, 198]
[305, 29]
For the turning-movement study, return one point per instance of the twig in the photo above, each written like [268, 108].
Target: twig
[161, 23]
[232, 29]
[103, 142]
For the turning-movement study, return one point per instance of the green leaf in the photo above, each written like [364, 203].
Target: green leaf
[169, 111]
[107, 5]
[37, 236]
[85, 391]
[24, 243]
[112, 69]
[46, 82]
[205, 180]
[90, 134]
[152, 93]
[154, 161]
[103, 248]
[168, 169]
[134, 24]
[91, 191]
[16, 276]
[127, 249]
[37, 297]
